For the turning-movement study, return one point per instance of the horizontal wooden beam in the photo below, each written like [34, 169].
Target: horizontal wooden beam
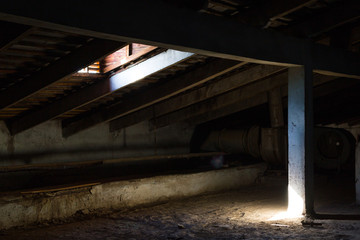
[60, 69]
[100, 89]
[172, 87]
[219, 87]
[127, 59]
[158, 24]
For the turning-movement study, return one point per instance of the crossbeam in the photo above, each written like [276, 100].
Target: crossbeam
[158, 24]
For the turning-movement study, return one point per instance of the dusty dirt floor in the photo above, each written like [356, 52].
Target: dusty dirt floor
[240, 214]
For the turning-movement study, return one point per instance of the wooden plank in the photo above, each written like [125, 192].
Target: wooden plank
[57, 71]
[231, 97]
[237, 100]
[242, 105]
[98, 90]
[128, 59]
[201, 94]
[58, 189]
[154, 95]
[158, 24]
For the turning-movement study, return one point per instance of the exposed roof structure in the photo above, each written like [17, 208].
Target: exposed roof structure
[42, 52]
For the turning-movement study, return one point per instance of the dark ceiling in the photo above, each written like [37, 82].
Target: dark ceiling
[39, 78]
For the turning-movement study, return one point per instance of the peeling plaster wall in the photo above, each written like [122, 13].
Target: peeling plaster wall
[92, 144]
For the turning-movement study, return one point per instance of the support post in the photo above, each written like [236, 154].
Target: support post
[300, 145]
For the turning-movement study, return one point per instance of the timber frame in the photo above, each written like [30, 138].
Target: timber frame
[212, 64]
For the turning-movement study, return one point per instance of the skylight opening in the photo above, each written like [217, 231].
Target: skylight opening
[92, 69]
[125, 55]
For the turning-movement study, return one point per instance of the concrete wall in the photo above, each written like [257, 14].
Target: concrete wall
[28, 208]
[96, 143]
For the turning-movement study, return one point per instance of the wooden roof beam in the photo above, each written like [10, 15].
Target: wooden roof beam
[231, 102]
[127, 59]
[159, 24]
[60, 69]
[100, 89]
[170, 88]
[238, 99]
[186, 99]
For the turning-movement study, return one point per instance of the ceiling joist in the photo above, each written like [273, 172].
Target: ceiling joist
[100, 89]
[152, 96]
[60, 69]
[186, 99]
[160, 26]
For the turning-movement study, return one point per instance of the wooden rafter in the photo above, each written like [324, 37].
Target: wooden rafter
[186, 99]
[79, 58]
[98, 90]
[171, 88]
[228, 103]
[224, 38]
[128, 59]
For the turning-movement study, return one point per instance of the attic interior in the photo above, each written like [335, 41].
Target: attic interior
[109, 109]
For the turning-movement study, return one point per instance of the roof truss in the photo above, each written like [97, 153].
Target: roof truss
[160, 26]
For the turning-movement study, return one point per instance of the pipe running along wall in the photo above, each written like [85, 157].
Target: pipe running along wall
[333, 147]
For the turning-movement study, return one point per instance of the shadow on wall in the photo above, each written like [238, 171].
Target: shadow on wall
[44, 143]
[92, 153]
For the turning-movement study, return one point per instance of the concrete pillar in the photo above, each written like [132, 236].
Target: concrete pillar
[300, 145]
[357, 172]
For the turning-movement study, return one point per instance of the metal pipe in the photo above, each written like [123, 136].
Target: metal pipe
[333, 147]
